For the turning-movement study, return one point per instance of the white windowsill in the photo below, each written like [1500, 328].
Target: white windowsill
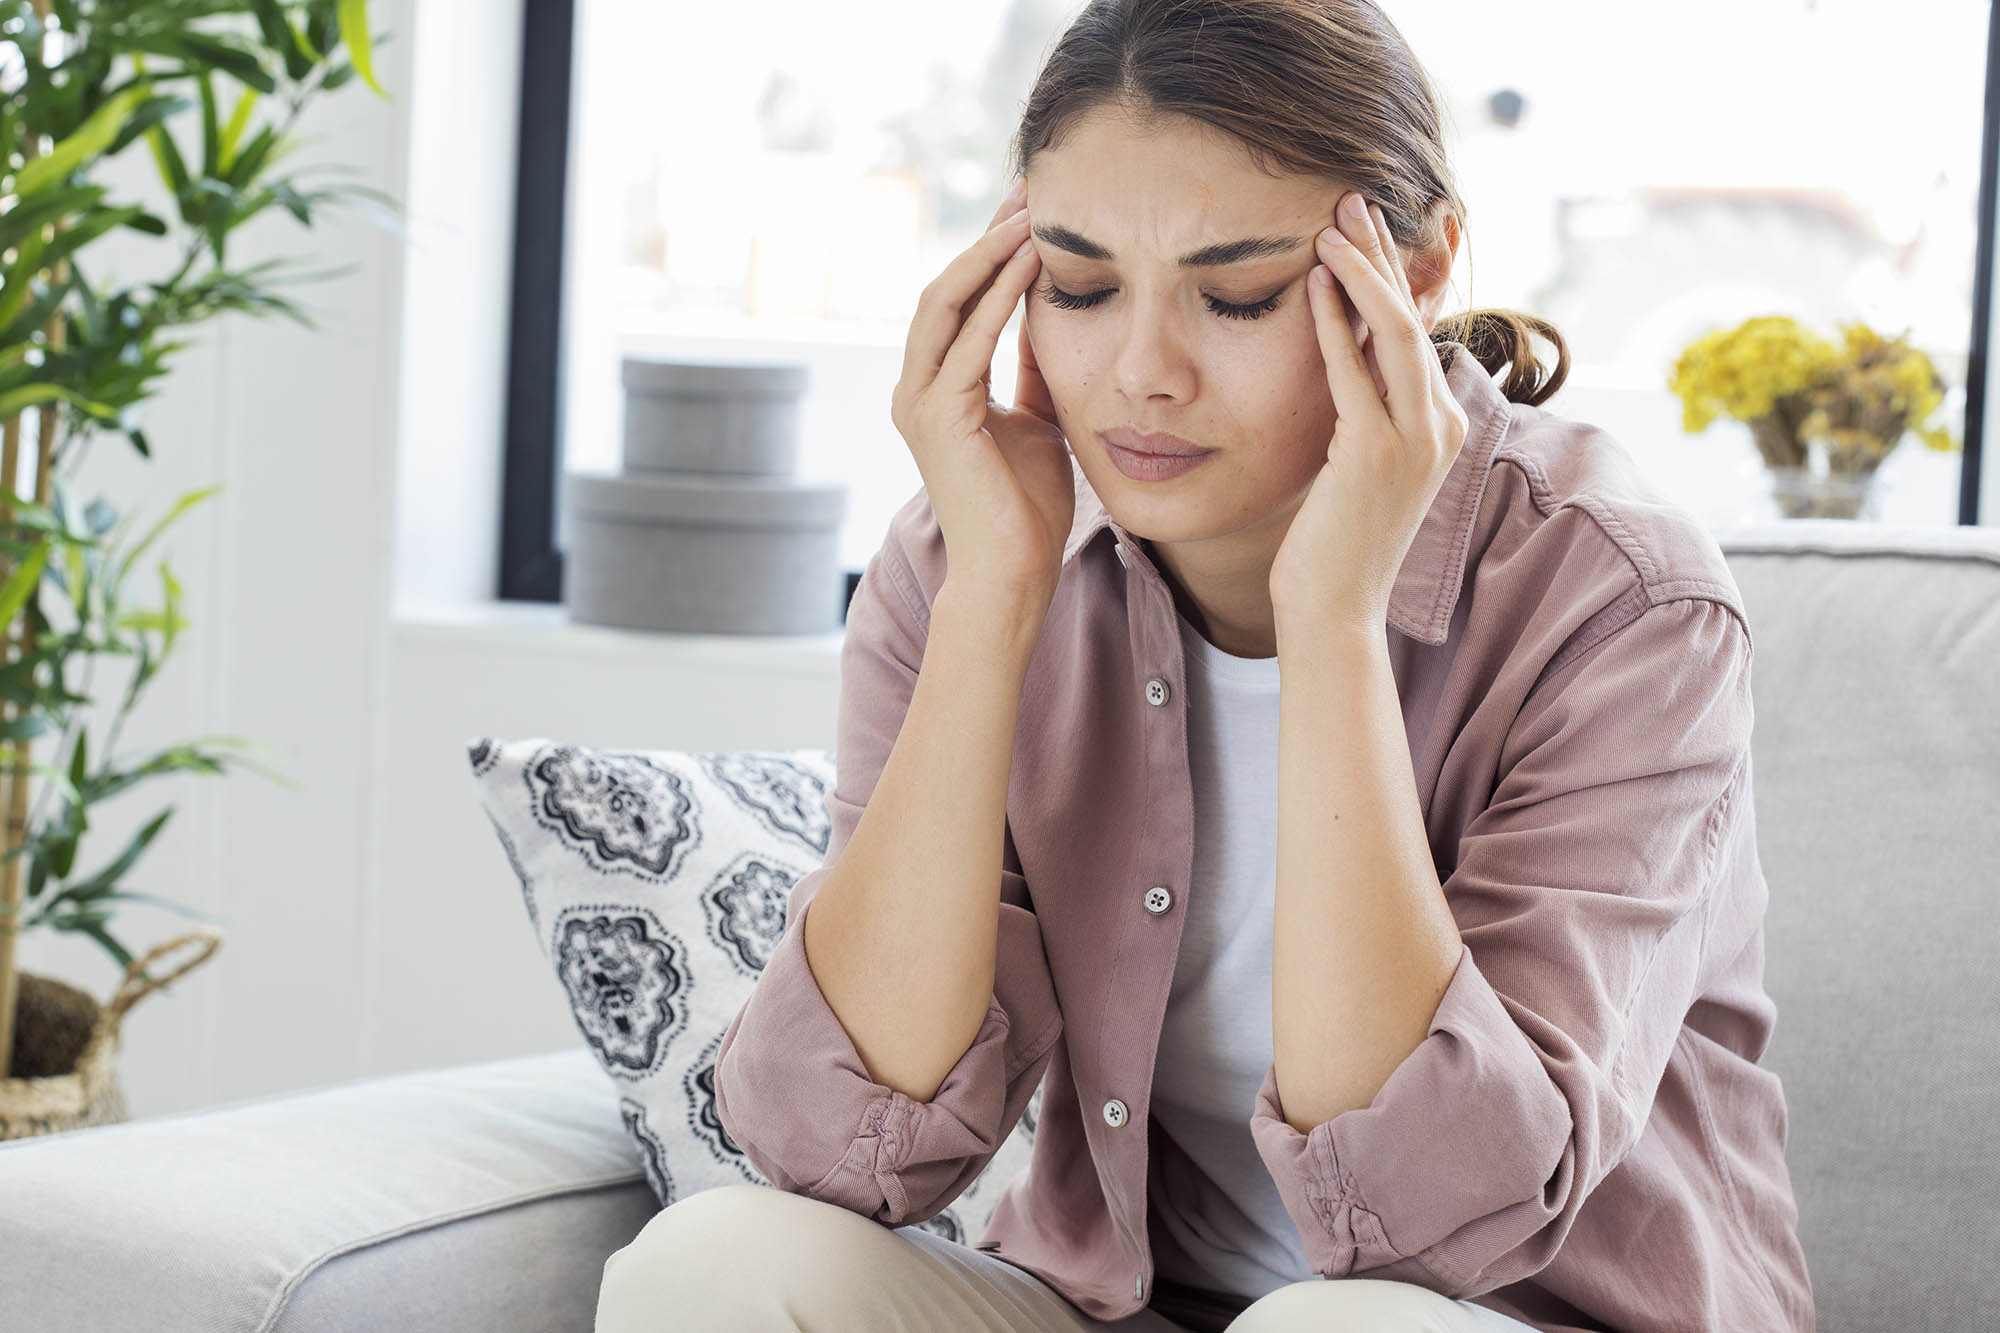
[545, 628]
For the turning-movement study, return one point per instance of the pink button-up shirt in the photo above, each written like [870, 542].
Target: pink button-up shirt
[1584, 1140]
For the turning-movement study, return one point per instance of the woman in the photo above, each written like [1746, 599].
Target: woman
[1379, 911]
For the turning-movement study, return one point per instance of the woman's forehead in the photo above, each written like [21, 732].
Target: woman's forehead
[1178, 226]
[1160, 177]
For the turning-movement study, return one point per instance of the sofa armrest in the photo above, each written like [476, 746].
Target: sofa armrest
[484, 1196]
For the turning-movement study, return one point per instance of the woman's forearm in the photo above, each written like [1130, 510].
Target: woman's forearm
[1364, 944]
[901, 937]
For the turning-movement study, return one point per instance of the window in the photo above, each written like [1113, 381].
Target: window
[779, 181]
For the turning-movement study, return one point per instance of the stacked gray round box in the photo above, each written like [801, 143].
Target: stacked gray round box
[706, 530]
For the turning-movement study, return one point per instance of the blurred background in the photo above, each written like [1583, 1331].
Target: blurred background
[1635, 176]
[380, 581]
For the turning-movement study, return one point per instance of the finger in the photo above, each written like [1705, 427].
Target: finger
[1399, 276]
[973, 348]
[942, 309]
[1016, 199]
[1361, 233]
[1347, 374]
[1389, 318]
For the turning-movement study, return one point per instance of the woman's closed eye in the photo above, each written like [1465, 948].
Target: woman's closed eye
[1063, 300]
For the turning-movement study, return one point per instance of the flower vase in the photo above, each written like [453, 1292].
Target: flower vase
[1802, 493]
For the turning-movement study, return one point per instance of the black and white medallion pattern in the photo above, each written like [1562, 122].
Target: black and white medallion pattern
[658, 885]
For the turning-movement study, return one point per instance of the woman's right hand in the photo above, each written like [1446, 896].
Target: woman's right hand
[999, 478]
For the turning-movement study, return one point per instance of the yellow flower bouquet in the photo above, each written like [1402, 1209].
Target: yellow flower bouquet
[1801, 395]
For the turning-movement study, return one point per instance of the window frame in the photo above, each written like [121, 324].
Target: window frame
[531, 566]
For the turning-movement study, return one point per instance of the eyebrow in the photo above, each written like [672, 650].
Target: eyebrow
[1209, 256]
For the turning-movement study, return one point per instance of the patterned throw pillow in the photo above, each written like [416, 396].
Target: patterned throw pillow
[657, 883]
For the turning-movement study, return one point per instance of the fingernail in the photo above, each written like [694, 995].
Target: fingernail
[1017, 217]
[1356, 206]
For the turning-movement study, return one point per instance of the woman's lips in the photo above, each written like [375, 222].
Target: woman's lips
[1138, 441]
[1153, 467]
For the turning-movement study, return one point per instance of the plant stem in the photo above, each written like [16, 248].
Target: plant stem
[17, 785]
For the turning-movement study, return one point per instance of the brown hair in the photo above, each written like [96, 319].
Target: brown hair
[1324, 88]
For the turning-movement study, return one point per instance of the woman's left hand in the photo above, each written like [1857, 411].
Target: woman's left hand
[1397, 433]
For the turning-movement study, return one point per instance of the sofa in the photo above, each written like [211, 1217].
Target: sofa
[487, 1196]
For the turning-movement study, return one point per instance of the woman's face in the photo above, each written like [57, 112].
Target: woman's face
[1159, 346]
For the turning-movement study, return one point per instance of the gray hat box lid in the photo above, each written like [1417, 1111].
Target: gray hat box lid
[706, 499]
[732, 380]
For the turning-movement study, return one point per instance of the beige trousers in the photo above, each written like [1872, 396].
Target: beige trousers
[752, 1257]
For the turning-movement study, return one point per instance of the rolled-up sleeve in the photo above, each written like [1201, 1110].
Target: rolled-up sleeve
[791, 1090]
[1582, 893]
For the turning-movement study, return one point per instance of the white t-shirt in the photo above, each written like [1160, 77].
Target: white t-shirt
[1214, 1215]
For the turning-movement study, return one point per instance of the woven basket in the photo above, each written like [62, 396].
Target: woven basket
[65, 1073]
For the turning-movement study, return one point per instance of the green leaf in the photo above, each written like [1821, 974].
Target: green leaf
[172, 169]
[28, 324]
[59, 783]
[20, 584]
[62, 853]
[19, 283]
[211, 126]
[83, 233]
[24, 728]
[28, 514]
[320, 29]
[123, 895]
[187, 502]
[30, 215]
[173, 608]
[30, 395]
[245, 166]
[239, 120]
[353, 16]
[91, 138]
[280, 37]
[108, 877]
[141, 620]
[75, 919]
[153, 111]
[79, 766]
[98, 933]
[198, 49]
[38, 874]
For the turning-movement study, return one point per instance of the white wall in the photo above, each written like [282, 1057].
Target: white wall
[372, 923]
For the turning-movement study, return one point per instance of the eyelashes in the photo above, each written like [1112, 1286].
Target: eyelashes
[1063, 300]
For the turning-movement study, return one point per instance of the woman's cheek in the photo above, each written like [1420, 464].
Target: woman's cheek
[1057, 353]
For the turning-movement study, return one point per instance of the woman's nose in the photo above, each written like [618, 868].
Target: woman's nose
[1151, 360]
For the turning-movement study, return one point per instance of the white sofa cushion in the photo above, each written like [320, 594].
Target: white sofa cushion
[480, 1197]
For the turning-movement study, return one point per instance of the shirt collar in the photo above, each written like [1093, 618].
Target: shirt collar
[1433, 570]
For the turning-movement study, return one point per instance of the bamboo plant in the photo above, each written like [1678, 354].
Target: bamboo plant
[82, 81]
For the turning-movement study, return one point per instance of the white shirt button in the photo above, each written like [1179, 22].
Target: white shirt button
[1158, 899]
[1156, 691]
[1124, 556]
[1114, 1113]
